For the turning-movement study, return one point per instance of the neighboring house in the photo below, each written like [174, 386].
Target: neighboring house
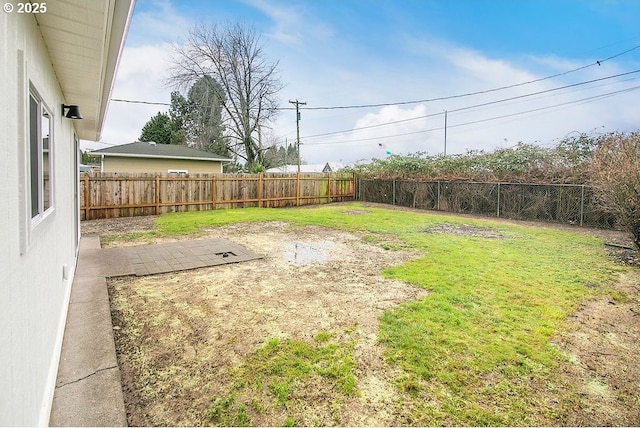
[333, 167]
[322, 168]
[67, 53]
[159, 158]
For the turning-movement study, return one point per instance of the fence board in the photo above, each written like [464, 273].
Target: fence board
[105, 195]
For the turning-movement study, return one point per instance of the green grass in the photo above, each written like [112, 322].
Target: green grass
[493, 306]
[476, 350]
[279, 369]
[376, 220]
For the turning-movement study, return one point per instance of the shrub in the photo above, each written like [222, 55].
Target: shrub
[526, 163]
[615, 175]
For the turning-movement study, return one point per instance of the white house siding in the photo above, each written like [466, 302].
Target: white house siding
[33, 294]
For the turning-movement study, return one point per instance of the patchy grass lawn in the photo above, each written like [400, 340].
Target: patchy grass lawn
[479, 348]
[270, 377]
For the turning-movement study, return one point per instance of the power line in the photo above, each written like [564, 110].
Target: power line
[153, 103]
[494, 102]
[297, 107]
[486, 91]
[582, 100]
[106, 144]
[475, 105]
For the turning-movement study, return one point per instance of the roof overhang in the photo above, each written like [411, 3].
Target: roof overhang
[139, 156]
[84, 40]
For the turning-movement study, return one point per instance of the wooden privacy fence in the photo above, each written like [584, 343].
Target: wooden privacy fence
[105, 195]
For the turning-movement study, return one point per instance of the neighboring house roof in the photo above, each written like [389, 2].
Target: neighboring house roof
[319, 167]
[334, 166]
[141, 149]
[84, 40]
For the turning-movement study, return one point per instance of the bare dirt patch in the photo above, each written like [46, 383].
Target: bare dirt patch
[180, 335]
[117, 225]
[601, 342]
[466, 230]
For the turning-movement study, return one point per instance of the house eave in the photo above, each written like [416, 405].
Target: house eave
[84, 40]
[129, 155]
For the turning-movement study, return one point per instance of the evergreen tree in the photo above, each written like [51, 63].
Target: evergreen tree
[87, 159]
[162, 130]
[206, 130]
[195, 121]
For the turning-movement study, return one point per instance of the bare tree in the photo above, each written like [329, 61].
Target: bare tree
[234, 57]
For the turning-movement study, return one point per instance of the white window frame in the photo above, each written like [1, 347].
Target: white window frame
[42, 201]
[178, 171]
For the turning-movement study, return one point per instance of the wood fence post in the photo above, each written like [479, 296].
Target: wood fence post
[157, 194]
[213, 191]
[298, 189]
[329, 187]
[87, 197]
[259, 190]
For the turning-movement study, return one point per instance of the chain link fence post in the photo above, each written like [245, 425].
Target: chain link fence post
[498, 209]
[581, 204]
[393, 193]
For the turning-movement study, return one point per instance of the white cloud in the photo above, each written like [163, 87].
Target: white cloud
[291, 24]
[141, 77]
[285, 28]
[157, 23]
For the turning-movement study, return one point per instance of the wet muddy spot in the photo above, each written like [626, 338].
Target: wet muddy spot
[466, 230]
[304, 253]
[356, 212]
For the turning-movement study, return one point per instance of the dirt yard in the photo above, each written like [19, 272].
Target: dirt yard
[312, 280]
[207, 321]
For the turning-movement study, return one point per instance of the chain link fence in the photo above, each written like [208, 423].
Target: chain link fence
[558, 203]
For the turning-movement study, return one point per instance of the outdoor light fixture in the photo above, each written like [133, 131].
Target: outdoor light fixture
[73, 113]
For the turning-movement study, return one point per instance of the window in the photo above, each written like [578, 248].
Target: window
[40, 157]
[178, 171]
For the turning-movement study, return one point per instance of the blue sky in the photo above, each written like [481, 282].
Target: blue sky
[343, 52]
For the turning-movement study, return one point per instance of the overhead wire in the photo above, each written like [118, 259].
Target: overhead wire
[473, 106]
[153, 103]
[598, 63]
[449, 97]
[580, 101]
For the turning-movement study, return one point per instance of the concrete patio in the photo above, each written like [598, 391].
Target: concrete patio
[88, 387]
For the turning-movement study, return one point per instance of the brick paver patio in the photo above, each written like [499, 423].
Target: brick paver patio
[183, 255]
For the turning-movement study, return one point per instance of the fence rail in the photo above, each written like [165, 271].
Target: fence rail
[570, 204]
[107, 195]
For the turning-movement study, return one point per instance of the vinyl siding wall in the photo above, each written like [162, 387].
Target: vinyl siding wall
[33, 293]
[133, 164]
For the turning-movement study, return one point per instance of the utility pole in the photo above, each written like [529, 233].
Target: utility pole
[298, 104]
[445, 132]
